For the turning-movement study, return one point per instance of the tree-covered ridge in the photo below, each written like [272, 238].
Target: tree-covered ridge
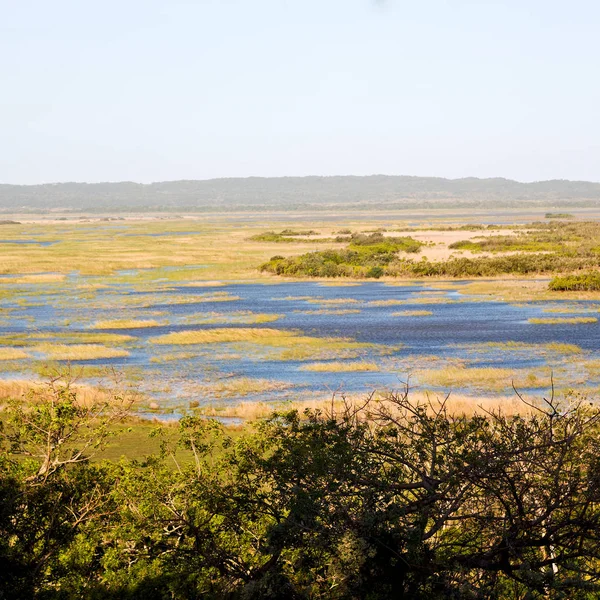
[288, 193]
[393, 498]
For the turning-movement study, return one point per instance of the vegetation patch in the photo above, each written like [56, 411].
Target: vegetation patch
[586, 282]
[558, 215]
[485, 378]
[280, 345]
[340, 367]
[12, 354]
[125, 324]
[562, 320]
[246, 386]
[78, 351]
[412, 313]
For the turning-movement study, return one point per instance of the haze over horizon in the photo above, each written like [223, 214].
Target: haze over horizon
[152, 91]
[309, 176]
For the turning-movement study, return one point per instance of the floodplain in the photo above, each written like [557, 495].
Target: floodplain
[185, 310]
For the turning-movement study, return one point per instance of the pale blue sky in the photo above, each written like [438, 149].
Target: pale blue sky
[150, 90]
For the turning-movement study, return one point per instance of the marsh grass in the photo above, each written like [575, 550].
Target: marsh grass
[35, 278]
[557, 347]
[485, 378]
[245, 386]
[339, 284]
[238, 318]
[563, 320]
[275, 344]
[340, 367]
[125, 324]
[412, 313]
[573, 310]
[12, 354]
[249, 411]
[75, 352]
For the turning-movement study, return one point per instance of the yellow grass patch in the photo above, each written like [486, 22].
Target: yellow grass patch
[563, 320]
[455, 404]
[340, 367]
[12, 354]
[339, 284]
[288, 345]
[489, 378]
[78, 351]
[125, 324]
[558, 347]
[35, 278]
[412, 313]
[391, 302]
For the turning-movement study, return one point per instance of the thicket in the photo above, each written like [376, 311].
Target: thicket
[587, 282]
[391, 499]
[346, 263]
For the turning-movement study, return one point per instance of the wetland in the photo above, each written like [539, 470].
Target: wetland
[185, 311]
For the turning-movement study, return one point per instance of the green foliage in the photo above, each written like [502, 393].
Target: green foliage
[559, 215]
[366, 256]
[392, 499]
[542, 248]
[587, 282]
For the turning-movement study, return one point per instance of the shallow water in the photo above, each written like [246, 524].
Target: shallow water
[461, 331]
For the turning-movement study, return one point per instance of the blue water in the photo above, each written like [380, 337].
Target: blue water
[454, 332]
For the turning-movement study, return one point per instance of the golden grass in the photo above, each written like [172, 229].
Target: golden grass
[280, 344]
[339, 284]
[78, 351]
[412, 313]
[391, 302]
[558, 347]
[488, 378]
[563, 320]
[455, 404]
[12, 354]
[220, 335]
[569, 310]
[35, 278]
[340, 367]
[125, 324]
[86, 395]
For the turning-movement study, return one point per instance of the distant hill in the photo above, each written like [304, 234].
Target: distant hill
[293, 193]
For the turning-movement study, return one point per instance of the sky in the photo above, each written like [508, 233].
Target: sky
[149, 90]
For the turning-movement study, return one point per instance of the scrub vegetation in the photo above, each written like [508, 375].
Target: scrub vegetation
[539, 248]
[563, 320]
[390, 497]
